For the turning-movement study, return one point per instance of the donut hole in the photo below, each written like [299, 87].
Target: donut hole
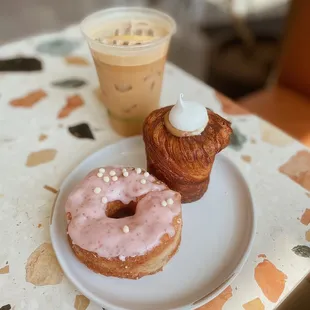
[118, 210]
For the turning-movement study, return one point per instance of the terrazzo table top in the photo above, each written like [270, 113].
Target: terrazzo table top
[51, 119]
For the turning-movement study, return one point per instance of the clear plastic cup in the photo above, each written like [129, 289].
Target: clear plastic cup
[129, 46]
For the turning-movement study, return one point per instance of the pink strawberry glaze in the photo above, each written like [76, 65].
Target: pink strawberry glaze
[92, 230]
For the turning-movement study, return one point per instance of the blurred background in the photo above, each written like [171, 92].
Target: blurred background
[234, 42]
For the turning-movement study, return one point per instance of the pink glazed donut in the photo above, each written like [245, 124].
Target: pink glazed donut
[123, 222]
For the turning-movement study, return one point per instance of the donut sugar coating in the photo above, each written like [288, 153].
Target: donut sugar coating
[123, 222]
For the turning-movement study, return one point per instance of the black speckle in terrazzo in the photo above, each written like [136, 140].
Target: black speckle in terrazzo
[6, 307]
[302, 250]
[20, 64]
[237, 139]
[57, 47]
[69, 83]
[81, 131]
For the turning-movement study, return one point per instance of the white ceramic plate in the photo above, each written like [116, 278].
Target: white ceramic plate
[216, 239]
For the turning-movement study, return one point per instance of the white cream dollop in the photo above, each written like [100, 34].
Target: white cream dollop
[189, 116]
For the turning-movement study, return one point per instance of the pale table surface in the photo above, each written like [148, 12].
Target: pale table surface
[37, 149]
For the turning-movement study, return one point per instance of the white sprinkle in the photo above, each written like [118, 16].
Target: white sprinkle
[104, 199]
[122, 258]
[99, 175]
[106, 179]
[138, 170]
[126, 229]
[102, 170]
[97, 190]
[126, 267]
[146, 174]
[112, 172]
[124, 170]
[178, 221]
[170, 201]
[125, 174]
[114, 178]
[143, 181]
[164, 203]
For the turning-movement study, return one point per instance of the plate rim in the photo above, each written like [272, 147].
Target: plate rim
[194, 304]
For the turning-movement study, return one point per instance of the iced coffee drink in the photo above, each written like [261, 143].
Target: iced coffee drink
[129, 48]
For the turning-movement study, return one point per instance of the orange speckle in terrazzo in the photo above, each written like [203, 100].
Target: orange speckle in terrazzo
[29, 100]
[42, 137]
[73, 102]
[39, 225]
[42, 267]
[270, 279]
[305, 218]
[40, 157]
[308, 194]
[262, 256]
[51, 189]
[297, 168]
[307, 235]
[229, 107]
[272, 135]
[218, 302]
[246, 158]
[76, 60]
[255, 304]
[81, 302]
[5, 269]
